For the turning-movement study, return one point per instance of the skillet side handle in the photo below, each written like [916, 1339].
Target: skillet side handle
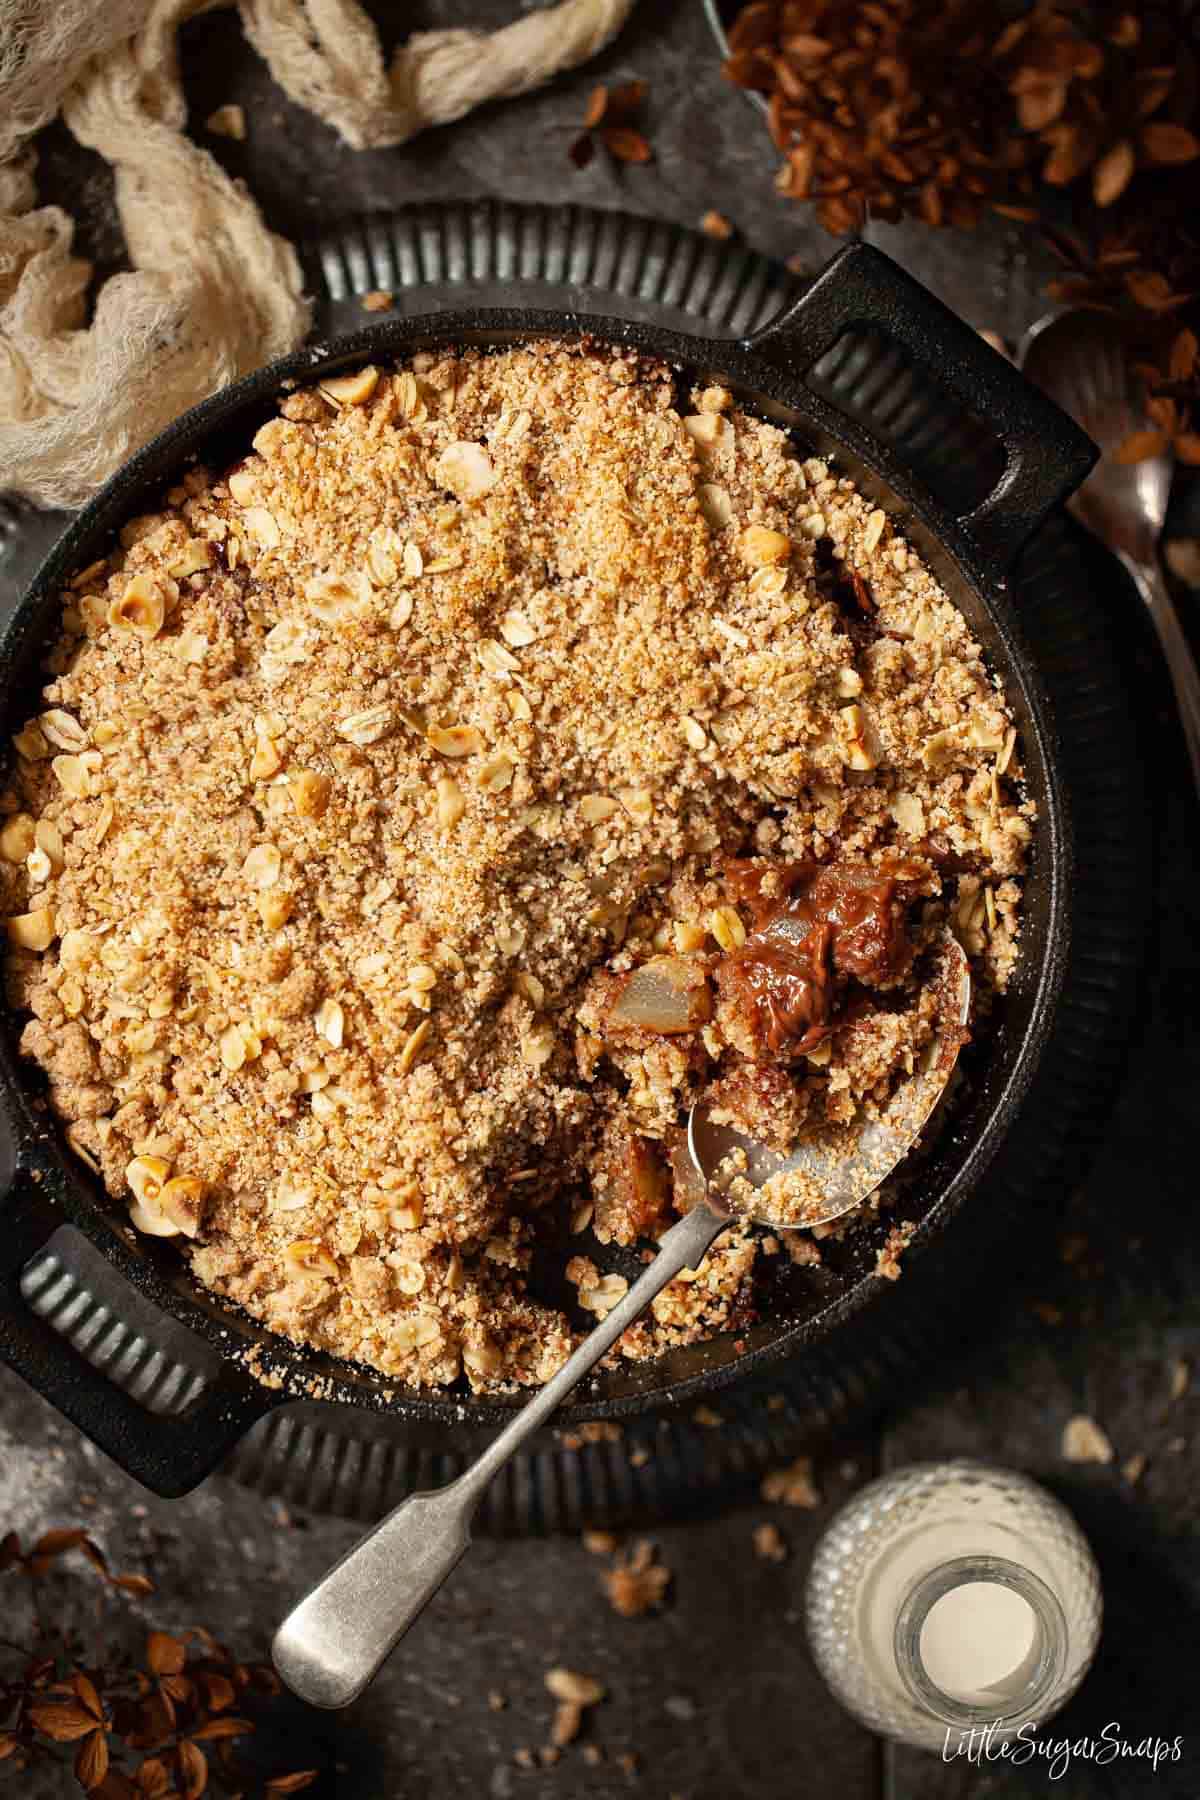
[1047, 455]
[169, 1455]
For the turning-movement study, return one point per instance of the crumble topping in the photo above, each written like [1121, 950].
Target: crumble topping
[412, 824]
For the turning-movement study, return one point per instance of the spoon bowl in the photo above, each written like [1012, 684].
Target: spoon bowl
[832, 1168]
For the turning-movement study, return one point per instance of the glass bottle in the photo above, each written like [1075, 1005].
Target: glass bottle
[951, 1597]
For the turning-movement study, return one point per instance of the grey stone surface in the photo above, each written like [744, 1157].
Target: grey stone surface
[717, 1695]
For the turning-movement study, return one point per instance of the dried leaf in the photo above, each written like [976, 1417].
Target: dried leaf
[218, 1691]
[1113, 173]
[8, 1743]
[134, 1584]
[1187, 448]
[1169, 144]
[1139, 445]
[91, 1761]
[1153, 291]
[116, 1786]
[582, 151]
[1184, 350]
[85, 1692]
[153, 1778]
[53, 1543]
[227, 1727]
[192, 1765]
[165, 1655]
[597, 106]
[627, 145]
[60, 1720]
[293, 1784]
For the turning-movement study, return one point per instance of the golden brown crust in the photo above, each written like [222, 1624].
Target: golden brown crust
[359, 761]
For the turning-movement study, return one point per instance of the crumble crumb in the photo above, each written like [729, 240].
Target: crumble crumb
[769, 1544]
[637, 1583]
[792, 1486]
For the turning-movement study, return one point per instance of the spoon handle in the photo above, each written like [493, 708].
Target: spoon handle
[1181, 664]
[330, 1646]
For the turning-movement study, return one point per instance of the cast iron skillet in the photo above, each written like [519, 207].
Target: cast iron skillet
[1022, 456]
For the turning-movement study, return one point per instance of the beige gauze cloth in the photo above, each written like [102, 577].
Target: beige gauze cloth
[212, 293]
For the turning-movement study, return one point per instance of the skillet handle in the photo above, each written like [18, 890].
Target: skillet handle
[1047, 455]
[169, 1454]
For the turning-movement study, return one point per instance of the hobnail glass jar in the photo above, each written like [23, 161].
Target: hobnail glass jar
[1001, 1549]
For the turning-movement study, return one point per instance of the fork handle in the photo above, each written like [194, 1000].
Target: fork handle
[1151, 584]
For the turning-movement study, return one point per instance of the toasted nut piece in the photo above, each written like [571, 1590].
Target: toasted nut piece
[859, 754]
[243, 485]
[638, 803]
[63, 730]
[537, 1046]
[181, 1200]
[496, 773]
[580, 1690]
[466, 469]
[413, 1048]
[227, 121]
[693, 730]
[330, 1022]
[351, 390]
[760, 546]
[849, 683]
[595, 808]
[909, 814]
[335, 597]
[531, 988]
[147, 1176]
[262, 866]
[450, 803]
[29, 743]
[194, 557]
[814, 526]
[367, 727]
[38, 865]
[275, 909]
[141, 608]
[310, 793]
[726, 926]
[820, 1053]
[604, 1296]
[708, 431]
[455, 740]
[265, 760]
[496, 659]
[232, 1045]
[874, 530]
[511, 936]
[74, 774]
[715, 504]
[517, 630]
[32, 930]
[384, 550]
[308, 1257]
[17, 838]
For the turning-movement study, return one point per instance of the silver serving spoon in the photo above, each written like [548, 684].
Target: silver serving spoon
[335, 1640]
[1079, 358]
